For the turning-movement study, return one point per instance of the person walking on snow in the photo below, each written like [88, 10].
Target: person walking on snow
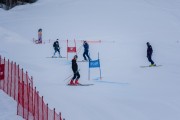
[56, 48]
[86, 51]
[75, 71]
[149, 54]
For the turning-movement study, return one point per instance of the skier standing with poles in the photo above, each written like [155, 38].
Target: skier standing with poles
[75, 71]
[149, 54]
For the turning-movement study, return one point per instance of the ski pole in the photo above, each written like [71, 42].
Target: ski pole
[79, 49]
[71, 75]
[68, 77]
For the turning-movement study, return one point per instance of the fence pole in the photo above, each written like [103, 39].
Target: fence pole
[8, 79]
[38, 103]
[18, 99]
[32, 97]
[67, 49]
[23, 90]
[42, 109]
[23, 97]
[47, 112]
[32, 82]
[28, 99]
[34, 114]
[0, 82]
[11, 78]
[27, 82]
[5, 73]
[60, 116]
[54, 114]
[15, 81]
[32, 100]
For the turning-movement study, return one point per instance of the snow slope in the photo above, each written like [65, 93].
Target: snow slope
[126, 91]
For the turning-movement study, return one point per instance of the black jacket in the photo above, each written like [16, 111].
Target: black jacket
[86, 47]
[56, 45]
[74, 65]
[149, 50]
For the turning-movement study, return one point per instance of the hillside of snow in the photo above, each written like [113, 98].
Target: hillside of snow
[126, 91]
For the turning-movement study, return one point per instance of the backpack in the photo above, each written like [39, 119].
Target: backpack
[54, 44]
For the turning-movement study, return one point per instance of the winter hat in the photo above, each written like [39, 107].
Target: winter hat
[75, 56]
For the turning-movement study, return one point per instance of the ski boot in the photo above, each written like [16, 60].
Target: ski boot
[76, 82]
[152, 65]
[71, 83]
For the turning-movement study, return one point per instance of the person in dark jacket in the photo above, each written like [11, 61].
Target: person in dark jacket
[56, 48]
[75, 71]
[86, 51]
[149, 54]
[40, 35]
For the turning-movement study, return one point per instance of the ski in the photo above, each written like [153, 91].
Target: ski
[83, 61]
[85, 84]
[80, 84]
[150, 66]
[55, 57]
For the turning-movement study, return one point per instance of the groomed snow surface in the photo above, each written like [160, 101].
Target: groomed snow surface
[126, 91]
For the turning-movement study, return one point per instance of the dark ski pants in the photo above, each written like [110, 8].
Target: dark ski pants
[56, 50]
[86, 54]
[150, 59]
[76, 75]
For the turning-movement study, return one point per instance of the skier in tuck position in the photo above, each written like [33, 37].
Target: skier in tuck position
[86, 51]
[75, 71]
[56, 48]
[149, 54]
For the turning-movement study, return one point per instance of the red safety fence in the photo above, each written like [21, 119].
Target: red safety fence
[18, 85]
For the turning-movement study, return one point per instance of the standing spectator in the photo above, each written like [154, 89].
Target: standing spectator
[149, 54]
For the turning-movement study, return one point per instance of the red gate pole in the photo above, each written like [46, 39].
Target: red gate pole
[75, 45]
